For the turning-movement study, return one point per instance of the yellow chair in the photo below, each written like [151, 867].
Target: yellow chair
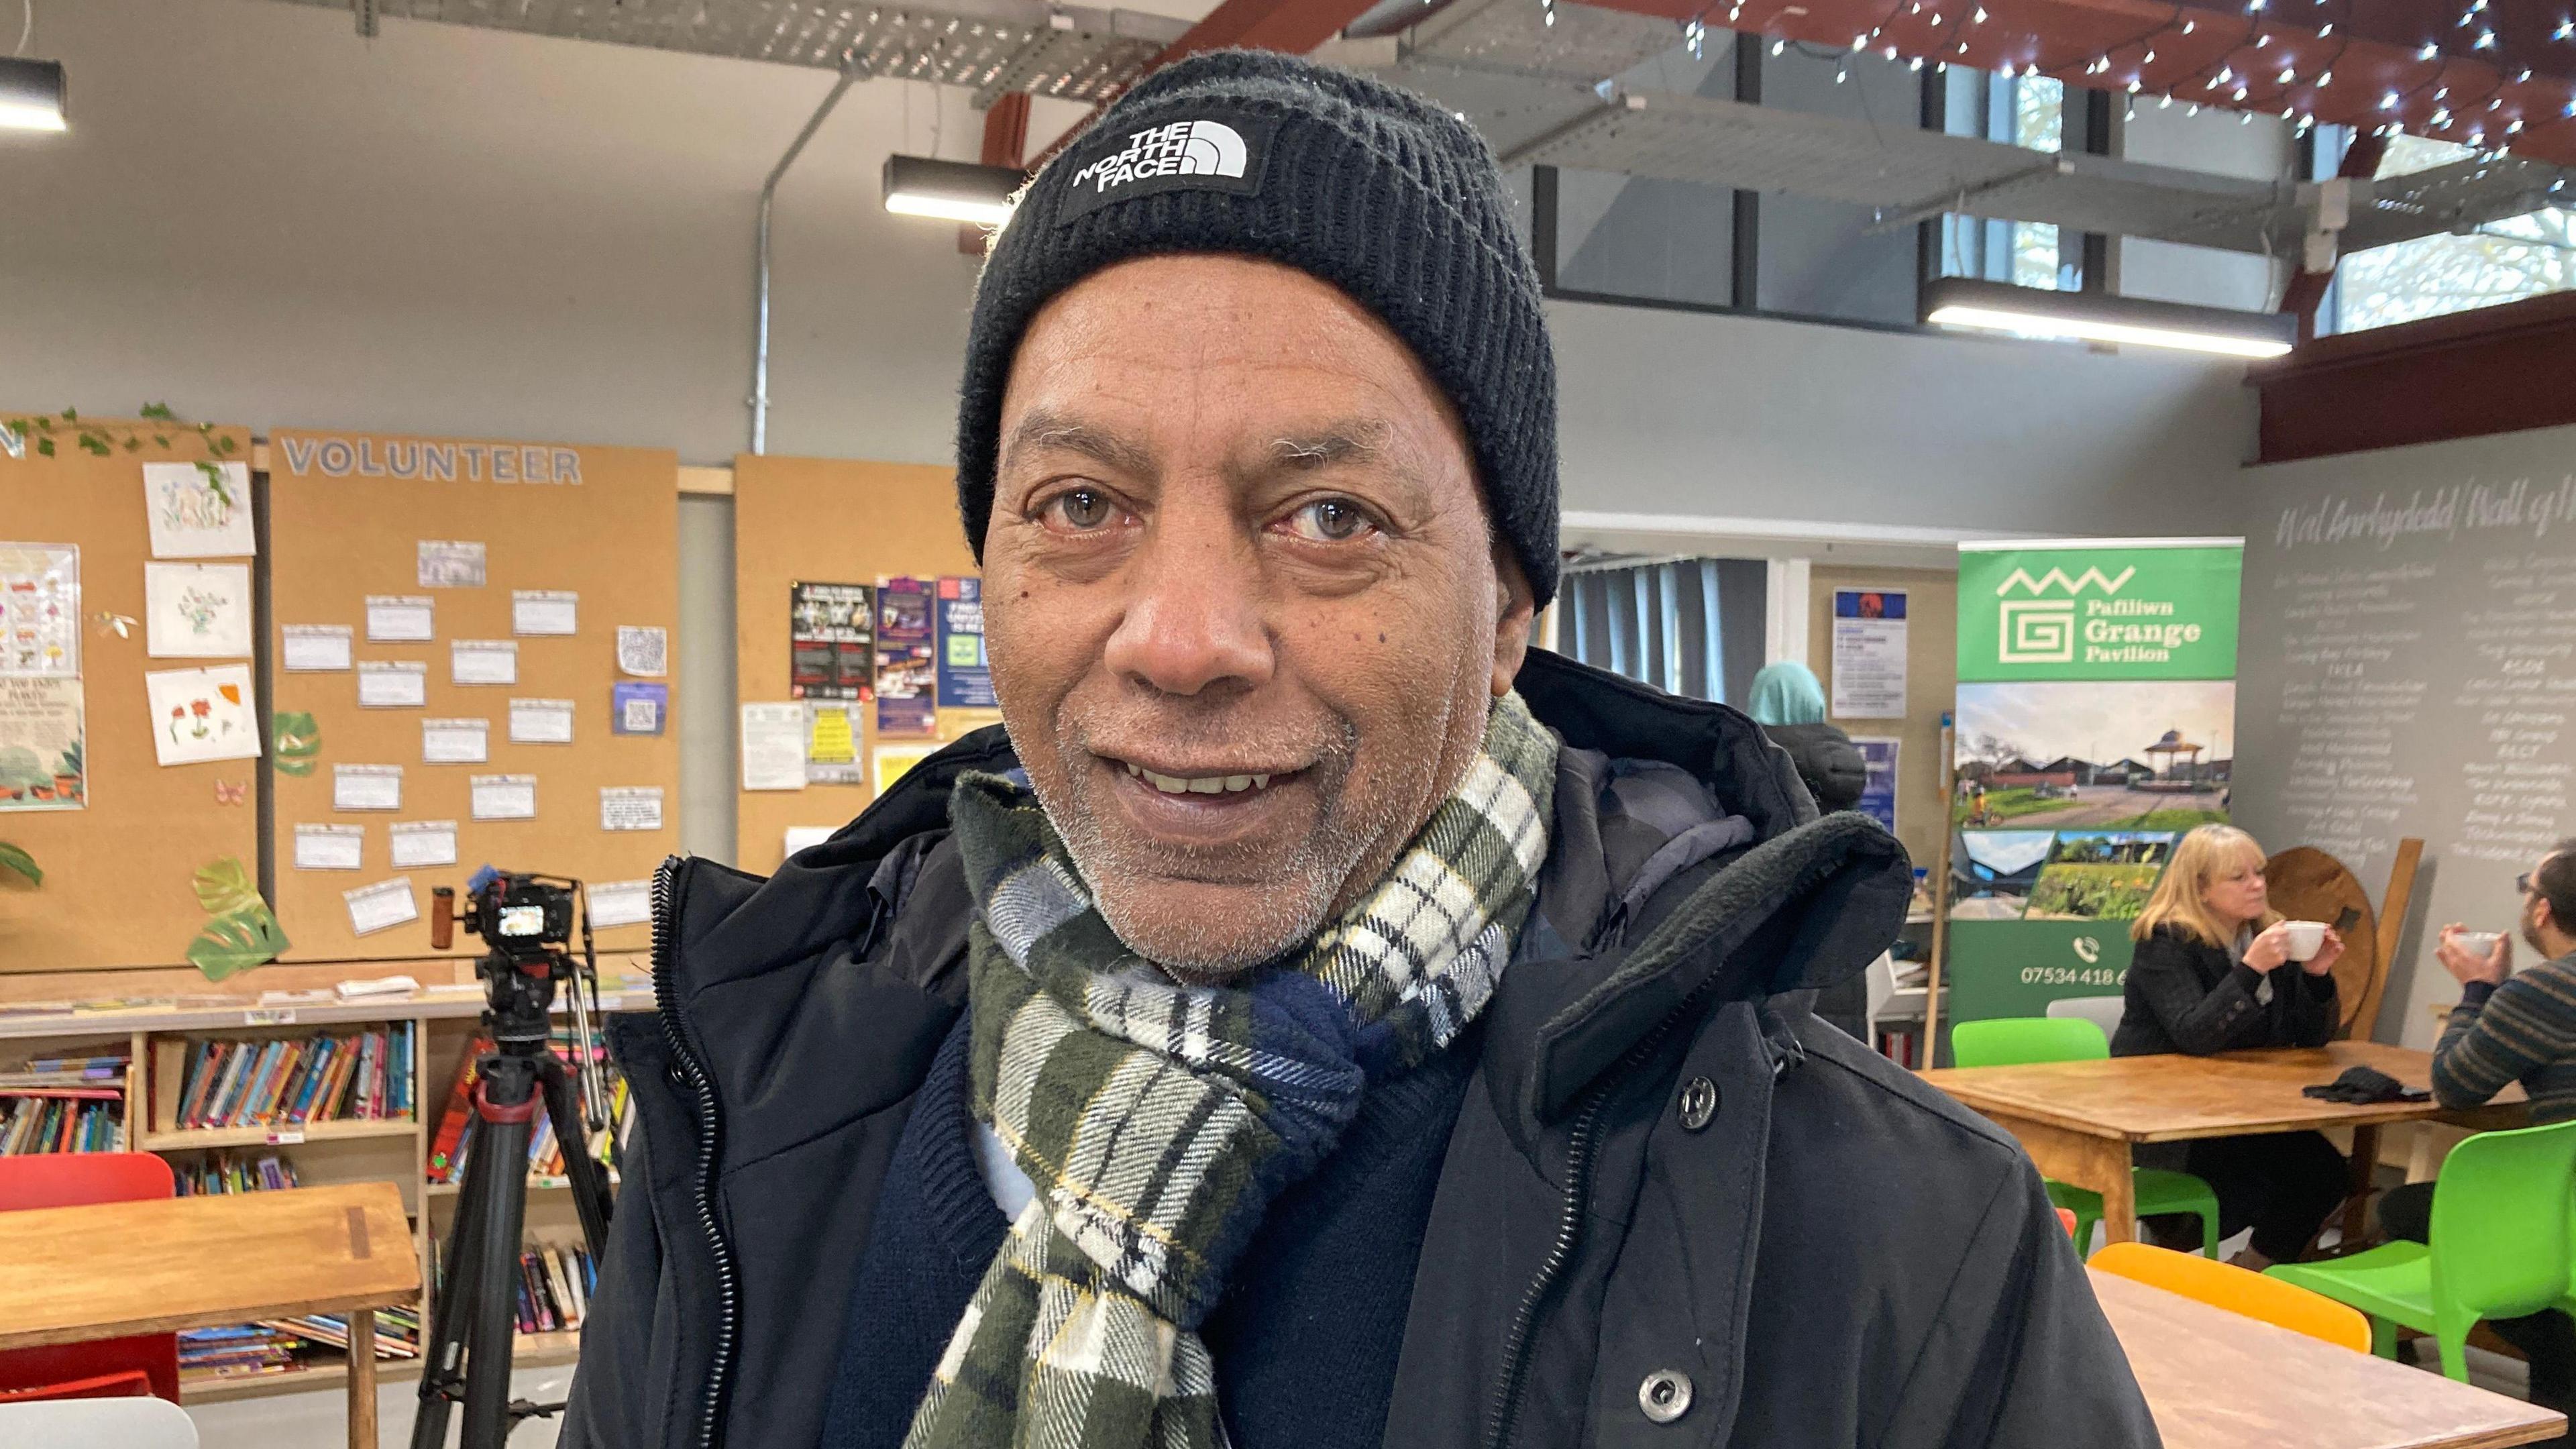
[2239, 1290]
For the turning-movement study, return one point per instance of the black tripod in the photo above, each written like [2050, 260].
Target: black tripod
[475, 1316]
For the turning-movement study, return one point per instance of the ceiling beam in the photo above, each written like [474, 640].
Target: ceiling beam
[2344, 61]
[1291, 26]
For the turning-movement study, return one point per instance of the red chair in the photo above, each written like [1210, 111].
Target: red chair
[99, 1368]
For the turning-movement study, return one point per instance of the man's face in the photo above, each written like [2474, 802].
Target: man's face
[1244, 614]
[2535, 909]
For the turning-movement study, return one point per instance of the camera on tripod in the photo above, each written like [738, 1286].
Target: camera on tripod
[526, 922]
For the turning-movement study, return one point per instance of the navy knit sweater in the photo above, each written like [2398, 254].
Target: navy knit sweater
[1307, 1334]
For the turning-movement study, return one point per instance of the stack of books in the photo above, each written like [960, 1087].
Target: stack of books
[239, 1350]
[326, 1078]
[397, 1331]
[555, 1284]
[62, 1122]
[63, 1104]
[222, 1172]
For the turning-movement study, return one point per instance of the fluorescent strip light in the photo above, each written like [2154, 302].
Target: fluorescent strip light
[950, 208]
[31, 95]
[951, 190]
[2090, 317]
[2028, 324]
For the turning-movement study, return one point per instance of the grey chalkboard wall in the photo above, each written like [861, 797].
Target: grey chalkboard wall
[2408, 667]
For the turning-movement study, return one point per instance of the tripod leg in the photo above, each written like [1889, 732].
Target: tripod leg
[589, 1184]
[505, 1102]
[451, 1305]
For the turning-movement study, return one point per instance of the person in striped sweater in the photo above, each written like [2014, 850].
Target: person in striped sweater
[2513, 1028]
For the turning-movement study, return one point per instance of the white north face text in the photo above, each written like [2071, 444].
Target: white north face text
[1183, 148]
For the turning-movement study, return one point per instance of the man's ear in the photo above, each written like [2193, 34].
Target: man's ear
[1511, 620]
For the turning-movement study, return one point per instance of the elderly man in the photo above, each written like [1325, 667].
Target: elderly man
[1317, 1019]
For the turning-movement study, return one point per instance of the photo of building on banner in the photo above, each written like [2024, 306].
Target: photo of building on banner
[2096, 723]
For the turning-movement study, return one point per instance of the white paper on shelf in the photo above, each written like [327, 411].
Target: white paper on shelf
[483, 661]
[545, 611]
[620, 903]
[393, 684]
[381, 906]
[455, 741]
[316, 648]
[330, 847]
[366, 787]
[504, 797]
[422, 842]
[773, 746]
[541, 721]
[401, 619]
[630, 807]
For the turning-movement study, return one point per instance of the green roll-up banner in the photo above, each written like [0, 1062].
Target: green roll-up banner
[2096, 723]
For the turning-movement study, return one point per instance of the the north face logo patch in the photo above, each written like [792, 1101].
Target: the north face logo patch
[1213, 153]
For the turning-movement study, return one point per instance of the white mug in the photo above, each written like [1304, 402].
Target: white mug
[2306, 938]
[2480, 944]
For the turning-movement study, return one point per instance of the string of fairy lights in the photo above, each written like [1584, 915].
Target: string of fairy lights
[2267, 63]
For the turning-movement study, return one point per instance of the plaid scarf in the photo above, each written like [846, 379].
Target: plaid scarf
[1158, 1121]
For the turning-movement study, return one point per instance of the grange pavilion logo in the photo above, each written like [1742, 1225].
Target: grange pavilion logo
[2041, 629]
[1183, 148]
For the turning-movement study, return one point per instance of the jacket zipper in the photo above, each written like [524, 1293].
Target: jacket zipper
[1569, 1224]
[703, 1103]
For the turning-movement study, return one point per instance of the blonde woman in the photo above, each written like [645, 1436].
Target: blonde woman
[2212, 973]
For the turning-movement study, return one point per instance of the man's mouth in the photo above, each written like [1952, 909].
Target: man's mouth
[1199, 784]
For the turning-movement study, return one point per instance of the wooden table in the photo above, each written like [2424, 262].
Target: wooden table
[2079, 1120]
[114, 1269]
[2215, 1380]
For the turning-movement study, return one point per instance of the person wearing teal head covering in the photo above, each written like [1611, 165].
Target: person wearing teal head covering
[1790, 706]
[1787, 693]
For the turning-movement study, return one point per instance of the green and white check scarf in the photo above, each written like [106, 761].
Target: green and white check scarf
[1158, 1121]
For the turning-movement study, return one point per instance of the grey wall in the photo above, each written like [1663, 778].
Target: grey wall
[2414, 679]
[1730, 416]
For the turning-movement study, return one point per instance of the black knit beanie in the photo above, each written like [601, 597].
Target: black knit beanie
[1370, 188]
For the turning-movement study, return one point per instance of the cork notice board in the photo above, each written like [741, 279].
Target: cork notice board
[118, 888]
[825, 520]
[349, 515]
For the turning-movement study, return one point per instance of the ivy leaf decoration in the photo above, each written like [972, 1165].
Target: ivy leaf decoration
[295, 742]
[45, 447]
[18, 861]
[238, 941]
[159, 412]
[224, 887]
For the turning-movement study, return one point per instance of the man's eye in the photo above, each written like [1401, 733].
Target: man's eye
[1079, 510]
[1330, 520]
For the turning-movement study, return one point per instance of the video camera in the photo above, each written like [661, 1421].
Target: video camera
[524, 917]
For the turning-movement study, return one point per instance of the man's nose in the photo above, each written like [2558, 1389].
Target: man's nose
[1193, 617]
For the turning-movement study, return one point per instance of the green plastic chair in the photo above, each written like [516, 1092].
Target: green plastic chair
[2014, 1041]
[2500, 1247]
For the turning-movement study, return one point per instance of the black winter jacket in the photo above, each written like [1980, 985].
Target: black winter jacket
[2185, 995]
[1664, 1164]
[1827, 761]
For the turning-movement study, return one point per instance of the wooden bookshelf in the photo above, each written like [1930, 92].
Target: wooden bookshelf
[157, 1037]
[274, 1134]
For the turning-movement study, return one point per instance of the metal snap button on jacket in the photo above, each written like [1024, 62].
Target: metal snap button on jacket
[1665, 1395]
[1698, 1104]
